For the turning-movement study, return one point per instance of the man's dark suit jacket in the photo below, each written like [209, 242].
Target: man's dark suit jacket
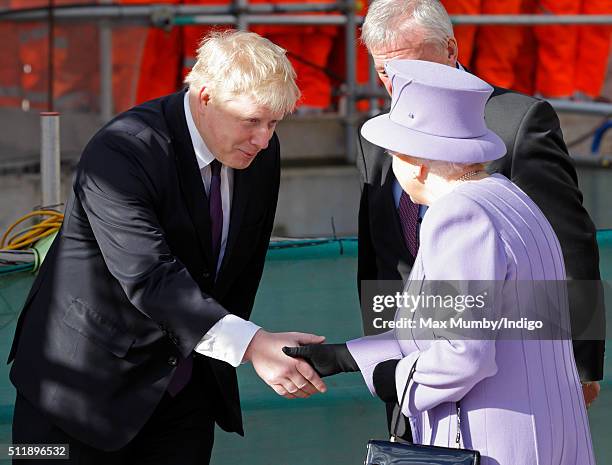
[538, 162]
[128, 286]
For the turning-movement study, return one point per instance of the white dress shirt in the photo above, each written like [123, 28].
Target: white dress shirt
[229, 338]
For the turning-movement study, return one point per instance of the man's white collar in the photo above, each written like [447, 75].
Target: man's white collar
[203, 154]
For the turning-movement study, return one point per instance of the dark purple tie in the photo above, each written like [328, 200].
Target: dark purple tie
[182, 374]
[216, 210]
[409, 218]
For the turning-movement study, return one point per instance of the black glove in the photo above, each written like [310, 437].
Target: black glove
[383, 379]
[326, 359]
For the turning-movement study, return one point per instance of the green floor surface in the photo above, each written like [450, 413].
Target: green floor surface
[309, 289]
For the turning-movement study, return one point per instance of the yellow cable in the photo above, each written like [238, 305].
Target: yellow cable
[51, 213]
[22, 245]
[34, 233]
[33, 230]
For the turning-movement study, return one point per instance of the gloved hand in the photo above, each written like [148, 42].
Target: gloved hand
[326, 359]
[383, 379]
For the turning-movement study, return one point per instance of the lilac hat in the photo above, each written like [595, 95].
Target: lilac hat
[437, 113]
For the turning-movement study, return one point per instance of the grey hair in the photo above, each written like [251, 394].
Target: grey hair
[445, 169]
[450, 170]
[389, 23]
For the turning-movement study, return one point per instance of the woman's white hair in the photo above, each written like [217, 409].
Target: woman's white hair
[390, 23]
[444, 169]
[450, 170]
[232, 63]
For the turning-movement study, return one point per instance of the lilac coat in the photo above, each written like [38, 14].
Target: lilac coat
[521, 400]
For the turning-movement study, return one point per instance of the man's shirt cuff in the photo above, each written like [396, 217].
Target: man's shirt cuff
[228, 339]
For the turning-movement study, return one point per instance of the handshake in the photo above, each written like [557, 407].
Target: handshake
[293, 363]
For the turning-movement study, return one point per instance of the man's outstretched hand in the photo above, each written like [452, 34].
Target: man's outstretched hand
[326, 359]
[289, 377]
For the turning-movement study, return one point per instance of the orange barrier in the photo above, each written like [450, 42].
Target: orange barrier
[309, 48]
[572, 58]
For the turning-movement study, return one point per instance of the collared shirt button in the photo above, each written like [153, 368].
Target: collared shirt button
[172, 361]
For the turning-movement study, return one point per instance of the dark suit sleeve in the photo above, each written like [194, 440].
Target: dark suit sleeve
[542, 167]
[119, 188]
[366, 254]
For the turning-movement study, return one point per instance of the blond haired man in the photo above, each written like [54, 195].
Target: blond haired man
[127, 344]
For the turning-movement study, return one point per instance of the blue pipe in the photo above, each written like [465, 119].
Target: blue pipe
[598, 136]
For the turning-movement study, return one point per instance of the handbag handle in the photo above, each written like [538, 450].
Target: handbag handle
[399, 414]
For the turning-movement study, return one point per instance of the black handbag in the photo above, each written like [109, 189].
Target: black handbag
[393, 452]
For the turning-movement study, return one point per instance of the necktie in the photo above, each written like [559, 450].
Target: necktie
[182, 374]
[409, 217]
[216, 210]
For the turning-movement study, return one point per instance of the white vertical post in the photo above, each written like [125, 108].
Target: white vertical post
[50, 158]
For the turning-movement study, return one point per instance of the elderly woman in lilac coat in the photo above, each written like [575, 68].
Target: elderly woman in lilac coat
[521, 399]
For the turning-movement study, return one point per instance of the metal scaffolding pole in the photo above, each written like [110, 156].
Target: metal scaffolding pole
[145, 12]
[526, 20]
[296, 19]
[133, 13]
[242, 22]
[591, 161]
[262, 19]
[106, 68]
[587, 108]
[51, 56]
[350, 124]
[373, 87]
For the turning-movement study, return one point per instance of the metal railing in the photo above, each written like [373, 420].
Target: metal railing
[209, 14]
[242, 14]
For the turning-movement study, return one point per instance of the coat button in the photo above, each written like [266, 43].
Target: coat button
[172, 361]
[206, 275]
